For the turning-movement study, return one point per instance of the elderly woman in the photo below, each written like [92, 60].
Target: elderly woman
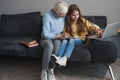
[53, 25]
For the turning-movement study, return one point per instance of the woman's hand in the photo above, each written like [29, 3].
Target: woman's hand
[59, 36]
[63, 36]
[67, 35]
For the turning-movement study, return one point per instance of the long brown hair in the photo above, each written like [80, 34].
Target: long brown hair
[68, 20]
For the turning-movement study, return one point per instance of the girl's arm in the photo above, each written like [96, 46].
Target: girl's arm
[93, 28]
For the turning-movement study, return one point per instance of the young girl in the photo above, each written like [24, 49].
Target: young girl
[76, 29]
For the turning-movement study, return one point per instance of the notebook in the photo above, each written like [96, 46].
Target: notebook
[111, 30]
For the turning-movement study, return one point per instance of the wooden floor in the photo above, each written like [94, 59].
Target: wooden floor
[20, 68]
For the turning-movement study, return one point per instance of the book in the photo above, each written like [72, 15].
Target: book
[93, 36]
[33, 45]
[27, 41]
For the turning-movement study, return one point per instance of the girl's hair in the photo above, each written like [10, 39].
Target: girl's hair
[68, 20]
[61, 7]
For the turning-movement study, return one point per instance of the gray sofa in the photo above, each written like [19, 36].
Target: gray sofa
[14, 27]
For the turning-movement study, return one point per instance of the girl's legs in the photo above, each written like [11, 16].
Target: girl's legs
[69, 50]
[71, 45]
[62, 48]
[60, 53]
[66, 50]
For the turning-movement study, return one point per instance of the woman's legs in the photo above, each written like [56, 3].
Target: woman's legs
[48, 48]
[57, 44]
[56, 48]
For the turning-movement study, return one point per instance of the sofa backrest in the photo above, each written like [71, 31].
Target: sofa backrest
[29, 24]
[98, 20]
[25, 24]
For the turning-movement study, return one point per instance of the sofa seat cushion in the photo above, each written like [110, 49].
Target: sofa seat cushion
[81, 53]
[36, 52]
[11, 46]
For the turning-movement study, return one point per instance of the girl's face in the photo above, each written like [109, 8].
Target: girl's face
[74, 15]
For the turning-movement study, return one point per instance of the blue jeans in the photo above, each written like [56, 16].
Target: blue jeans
[67, 46]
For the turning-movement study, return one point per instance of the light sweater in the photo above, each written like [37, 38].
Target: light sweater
[52, 25]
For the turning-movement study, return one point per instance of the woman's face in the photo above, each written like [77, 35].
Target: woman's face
[74, 15]
[60, 15]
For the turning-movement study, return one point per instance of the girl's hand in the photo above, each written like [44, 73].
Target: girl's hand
[66, 35]
[118, 30]
[99, 33]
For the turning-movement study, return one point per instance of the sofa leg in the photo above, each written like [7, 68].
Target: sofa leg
[111, 72]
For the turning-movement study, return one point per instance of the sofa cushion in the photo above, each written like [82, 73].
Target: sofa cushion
[11, 46]
[116, 40]
[81, 53]
[103, 51]
[20, 24]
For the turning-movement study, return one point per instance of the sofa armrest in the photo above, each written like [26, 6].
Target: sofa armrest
[102, 51]
[116, 40]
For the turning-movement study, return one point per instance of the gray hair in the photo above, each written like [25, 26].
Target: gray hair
[61, 7]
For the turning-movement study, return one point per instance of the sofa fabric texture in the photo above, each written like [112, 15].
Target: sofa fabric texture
[14, 27]
[27, 24]
[103, 51]
[116, 40]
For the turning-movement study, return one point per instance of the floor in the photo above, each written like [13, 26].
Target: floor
[24, 68]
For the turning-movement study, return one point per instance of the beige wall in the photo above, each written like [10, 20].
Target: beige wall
[109, 8]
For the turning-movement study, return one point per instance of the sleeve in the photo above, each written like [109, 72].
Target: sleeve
[46, 28]
[91, 27]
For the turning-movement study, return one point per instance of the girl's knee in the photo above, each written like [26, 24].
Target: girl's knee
[71, 40]
[64, 41]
